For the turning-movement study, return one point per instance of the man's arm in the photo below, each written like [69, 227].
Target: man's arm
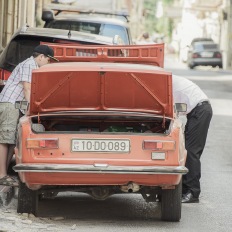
[27, 90]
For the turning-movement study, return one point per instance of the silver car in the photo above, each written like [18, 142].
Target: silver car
[204, 53]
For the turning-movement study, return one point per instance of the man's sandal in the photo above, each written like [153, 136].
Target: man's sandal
[9, 181]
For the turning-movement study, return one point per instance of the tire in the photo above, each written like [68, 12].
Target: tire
[220, 66]
[27, 200]
[37, 127]
[171, 204]
[191, 66]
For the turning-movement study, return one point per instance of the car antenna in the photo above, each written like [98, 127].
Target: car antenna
[69, 33]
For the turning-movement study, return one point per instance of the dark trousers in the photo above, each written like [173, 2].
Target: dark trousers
[196, 130]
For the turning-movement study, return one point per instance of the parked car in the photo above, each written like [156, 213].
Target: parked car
[26, 38]
[204, 53]
[184, 50]
[102, 124]
[201, 39]
[88, 22]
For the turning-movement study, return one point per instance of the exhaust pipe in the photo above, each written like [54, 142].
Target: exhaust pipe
[130, 188]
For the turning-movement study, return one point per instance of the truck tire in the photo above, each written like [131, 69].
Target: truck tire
[27, 200]
[171, 204]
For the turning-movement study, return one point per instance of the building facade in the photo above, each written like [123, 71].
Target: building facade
[16, 13]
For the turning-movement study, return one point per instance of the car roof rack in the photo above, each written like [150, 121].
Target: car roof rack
[152, 54]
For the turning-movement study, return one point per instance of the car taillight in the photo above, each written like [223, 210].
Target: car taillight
[195, 55]
[42, 143]
[159, 145]
[218, 55]
[4, 75]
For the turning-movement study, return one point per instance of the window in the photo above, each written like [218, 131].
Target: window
[86, 27]
[108, 30]
[112, 30]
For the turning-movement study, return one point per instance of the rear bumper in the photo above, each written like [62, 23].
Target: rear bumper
[99, 169]
[207, 61]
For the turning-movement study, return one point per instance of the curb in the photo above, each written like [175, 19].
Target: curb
[6, 195]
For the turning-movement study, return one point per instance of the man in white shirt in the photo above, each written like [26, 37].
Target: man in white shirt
[199, 114]
[17, 88]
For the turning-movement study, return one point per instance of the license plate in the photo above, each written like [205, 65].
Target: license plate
[207, 54]
[101, 145]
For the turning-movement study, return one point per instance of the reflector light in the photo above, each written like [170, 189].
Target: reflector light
[42, 143]
[159, 145]
[218, 55]
[195, 55]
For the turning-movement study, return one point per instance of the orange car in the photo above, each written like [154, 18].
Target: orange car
[102, 122]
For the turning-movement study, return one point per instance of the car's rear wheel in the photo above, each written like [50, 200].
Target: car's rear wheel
[171, 204]
[191, 66]
[27, 200]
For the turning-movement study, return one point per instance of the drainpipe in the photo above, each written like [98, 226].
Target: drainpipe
[9, 18]
[22, 12]
[31, 13]
[1, 25]
[16, 15]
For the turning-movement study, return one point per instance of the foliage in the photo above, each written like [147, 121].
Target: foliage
[162, 25]
[150, 7]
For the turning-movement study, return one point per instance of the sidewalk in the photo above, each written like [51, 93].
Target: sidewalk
[172, 61]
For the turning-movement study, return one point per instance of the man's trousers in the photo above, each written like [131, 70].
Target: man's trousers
[196, 130]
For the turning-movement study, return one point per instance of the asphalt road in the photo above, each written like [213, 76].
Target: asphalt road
[79, 212]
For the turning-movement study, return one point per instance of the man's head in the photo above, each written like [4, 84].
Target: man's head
[43, 54]
[146, 35]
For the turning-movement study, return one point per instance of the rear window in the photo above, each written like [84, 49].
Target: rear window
[210, 46]
[20, 50]
[17, 51]
[205, 46]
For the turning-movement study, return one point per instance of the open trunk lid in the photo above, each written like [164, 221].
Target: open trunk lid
[115, 83]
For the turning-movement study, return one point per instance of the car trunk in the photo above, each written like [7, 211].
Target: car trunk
[100, 122]
[101, 100]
